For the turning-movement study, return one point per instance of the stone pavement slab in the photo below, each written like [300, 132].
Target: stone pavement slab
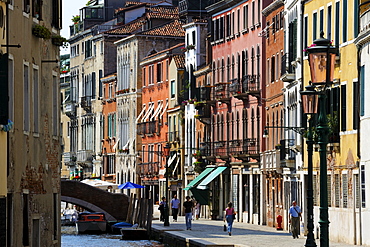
[243, 234]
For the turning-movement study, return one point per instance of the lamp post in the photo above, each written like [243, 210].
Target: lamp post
[166, 153]
[321, 57]
[309, 101]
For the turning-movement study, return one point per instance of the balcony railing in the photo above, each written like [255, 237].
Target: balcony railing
[148, 128]
[251, 84]
[247, 147]
[85, 156]
[222, 92]
[86, 103]
[271, 160]
[287, 70]
[149, 169]
[70, 109]
[221, 148]
[206, 94]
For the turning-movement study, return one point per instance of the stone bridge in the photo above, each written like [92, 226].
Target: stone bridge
[114, 205]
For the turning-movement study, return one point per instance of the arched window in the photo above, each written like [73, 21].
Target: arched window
[233, 67]
[252, 124]
[237, 125]
[228, 69]
[222, 127]
[245, 124]
[214, 70]
[222, 71]
[252, 62]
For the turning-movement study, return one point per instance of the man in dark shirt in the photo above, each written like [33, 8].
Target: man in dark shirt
[188, 206]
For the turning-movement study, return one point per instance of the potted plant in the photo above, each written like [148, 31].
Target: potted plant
[190, 47]
[59, 41]
[41, 31]
[75, 19]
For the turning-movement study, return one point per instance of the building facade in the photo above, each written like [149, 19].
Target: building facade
[34, 144]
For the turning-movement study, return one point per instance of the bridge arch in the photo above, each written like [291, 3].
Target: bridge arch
[114, 205]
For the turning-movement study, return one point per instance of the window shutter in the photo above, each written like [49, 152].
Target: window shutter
[362, 85]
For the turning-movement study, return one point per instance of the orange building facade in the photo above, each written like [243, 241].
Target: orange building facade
[152, 124]
[108, 118]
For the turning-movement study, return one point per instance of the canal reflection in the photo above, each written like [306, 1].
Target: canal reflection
[71, 239]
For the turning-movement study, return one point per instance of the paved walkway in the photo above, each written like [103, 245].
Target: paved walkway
[243, 235]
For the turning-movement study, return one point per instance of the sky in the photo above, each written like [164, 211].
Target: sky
[69, 8]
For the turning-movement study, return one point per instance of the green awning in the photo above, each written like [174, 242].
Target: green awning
[199, 178]
[202, 196]
[210, 177]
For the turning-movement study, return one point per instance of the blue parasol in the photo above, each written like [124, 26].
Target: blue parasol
[129, 185]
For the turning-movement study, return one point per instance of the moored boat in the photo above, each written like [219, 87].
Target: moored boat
[91, 222]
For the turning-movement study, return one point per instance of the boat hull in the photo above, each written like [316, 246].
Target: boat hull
[91, 226]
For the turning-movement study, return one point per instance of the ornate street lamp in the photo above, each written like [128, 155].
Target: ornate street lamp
[309, 101]
[321, 56]
[166, 153]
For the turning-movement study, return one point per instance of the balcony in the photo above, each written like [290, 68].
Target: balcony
[149, 169]
[207, 151]
[270, 160]
[69, 158]
[245, 149]
[287, 70]
[221, 150]
[148, 128]
[70, 109]
[204, 114]
[236, 90]
[86, 103]
[222, 92]
[85, 157]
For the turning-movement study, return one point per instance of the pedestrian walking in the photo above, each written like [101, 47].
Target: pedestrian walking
[295, 214]
[162, 206]
[188, 207]
[229, 217]
[175, 207]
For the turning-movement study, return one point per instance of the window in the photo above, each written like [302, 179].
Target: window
[100, 83]
[159, 72]
[343, 112]
[245, 17]
[362, 92]
[37, 9]
[321, 20]
[26, 6]
[337, 13]
[344, 20]
[337, 190]
[56, 212]
[56, 13]
[25, 238]
[193, 36]
[328, 23]
[173, 89]
[314, 26]
[272, 69]
[305, 32]
[26, 98]
[232, 24]
[345, 190]
[238, 21]
[88, 48]
[35, 100]
[363, 188]
[259, 11]
[253, 13]
[356, 104]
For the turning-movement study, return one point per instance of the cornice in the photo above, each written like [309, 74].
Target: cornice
[363, 38]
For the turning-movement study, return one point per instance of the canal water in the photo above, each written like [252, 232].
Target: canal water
[71, 239]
